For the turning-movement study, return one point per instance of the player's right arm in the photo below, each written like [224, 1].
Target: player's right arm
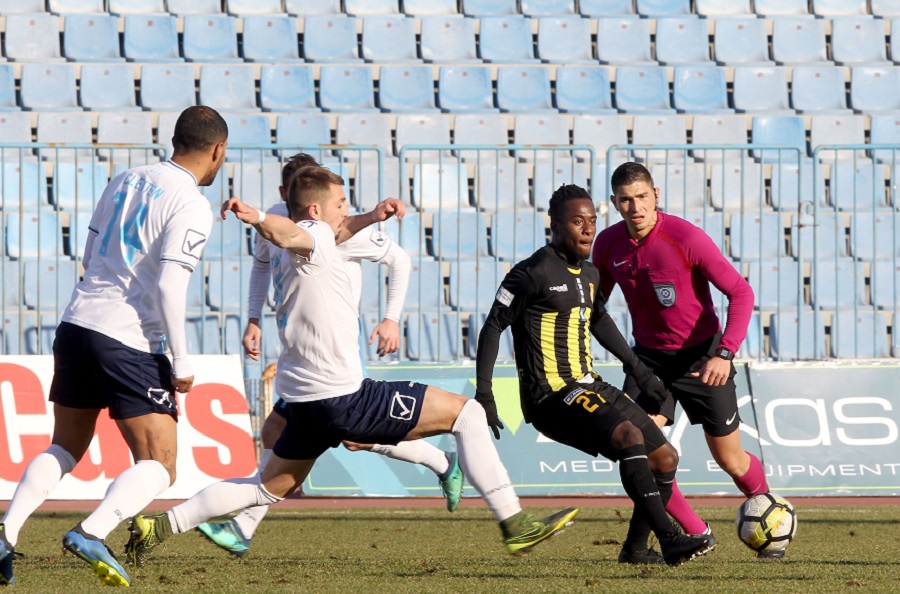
[280, 231]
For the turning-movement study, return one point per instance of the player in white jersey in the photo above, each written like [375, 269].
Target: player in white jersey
[145, 238]
[320, 376]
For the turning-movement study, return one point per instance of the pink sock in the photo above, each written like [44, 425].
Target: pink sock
[754, 480]
[684, 514]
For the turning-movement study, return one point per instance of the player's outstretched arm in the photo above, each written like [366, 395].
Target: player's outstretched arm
[391, 207]
[281, 231]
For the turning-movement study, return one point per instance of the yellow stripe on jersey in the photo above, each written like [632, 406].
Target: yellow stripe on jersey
[573, 338]
[548, 350]
[588, 359]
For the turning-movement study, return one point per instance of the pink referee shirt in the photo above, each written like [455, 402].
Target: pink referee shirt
[665, 280]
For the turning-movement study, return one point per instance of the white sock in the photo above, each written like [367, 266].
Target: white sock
[481, 463]
[127, 496]
[217, 500]
[40, 477]
[417, 451]
[249, 519]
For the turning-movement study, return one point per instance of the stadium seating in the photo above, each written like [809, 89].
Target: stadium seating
[108, 87]
[825, 228]
[61, 128]
[818, 90]
[874, 236]
[387, 39]
[506, 40]
[448, 40]
[681, 41]
[439, 187]
[884, 129]
[663, 8]
[700, 89]
[78, 186]
[247, 129]
[210, 38]
[539, 129]
[253, 7]
[524, 89]
[719, 129]
[287, 88]
[887, 9]
[474, 284]
[479, 8]
[583, 89]
[270, 39]
[858, 41]
[48, 283]
[122, 7]
[644, 90]
[8, 88]
[601, 132]
[788, 131]
[549, 176]
[658, 129]
[429, 7]
[435, 337]
[33, 234]
[367, 7]
[738, 185]
[501, 185]
[48, 87]
[782, 8]
[886, 286]
[59, 6]
[466, 89]
[230, 87]
[347, 89]
[831, 281]
[777, 284]
[151, 38]
[426, 280]
[32, 38]
[167, 87]
[741, 42]
[793, 337]
[407, 89]
[476, 321]
[424, 129]
[799, 42]
[565, 40]
[228, 282]
[203, 334]
[257, 183]
[368, 129]
[23, 186]
[831, 8]
[189, 7]
[330, 38]
[837, 129]
[861, 335]
[624, 41]
[516, 235]
[459, 236]
[91, 38]
[858, 187]
[755, 236]
[724, 8]
[490, 129]
[761, 89]
[872, 89]
[792, 185]
[682, 187]
[606, 8]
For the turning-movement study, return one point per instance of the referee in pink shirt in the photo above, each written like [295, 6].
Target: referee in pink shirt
[664, 266]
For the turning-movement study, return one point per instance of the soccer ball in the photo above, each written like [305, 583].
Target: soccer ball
[766, 523]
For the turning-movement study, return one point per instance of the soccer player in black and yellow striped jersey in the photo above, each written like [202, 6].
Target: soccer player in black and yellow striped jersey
[552, 302]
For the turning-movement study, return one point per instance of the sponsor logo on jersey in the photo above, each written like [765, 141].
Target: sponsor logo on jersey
[560, 288]
[402, 407]
[665, 292]
[193, 243]
[504, 296]
[571, 395]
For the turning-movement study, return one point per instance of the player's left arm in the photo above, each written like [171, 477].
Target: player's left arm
[279, 230]
[350, 226]
[174, 278]
[388, 330]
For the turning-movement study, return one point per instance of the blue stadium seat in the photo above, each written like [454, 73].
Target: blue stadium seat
[66, 6]
[664, 8]
[643, 90]
[682, 187]
[459, 236]
[62, 128]
[167, 87]
[862, 335]
[682, 41]
[426, 280]
[247, 129]
[516, 235]
[777, 284]
[108, 87]
[257, 183]
[368, 177]
[858, 186]
[440, 187]
[370, 129]
[838, 284]
[606, 8]
[32, 38]
[501, 185]
[125, 128]
[782, 8]
[8, 88]
[188, 7]
[330, 38]
[448, 39]
[305, 129]
[537, 129]
[270, 39]
[741, 42]
[230, 87]
[122, 7]
[429, 7]
[203, 335]
[700, 89]
[287, 87]
[886, 9]
[434, 337]
[476, 321]
[227, 240]
[389, 39]
[465, 89]
[78, 186]
[10, 277]
[480, 8]
[91, 38]
[506, 40]
[347, 89]
[885, 286]
[793, 338]
[755, 236]
[779, 130]
[719, 129]
[424, 129]
[737, 184]
[840, 8]
[789, 185]
[33, 234]
[210, 38]
[583, 89]
[885, 129]
[524, 89]
[548, 8]
[228, 284]
[761, 89]
[799, 42]
[873, 235]
[481, 129]
[601, 132]
[406, 88]
[858, 41]
[48, 87]
[15, 127]
[721, 9]
[373, 279]
[872, 89]
[151, 38]
[48, 283]
[234, 333]
[548, 177]
[474, 284]
[23, 186]
[837, 129]
[624, 41]
[367, 7]
[659, 129]
[254, 7]
[819, 90]
[565, 40]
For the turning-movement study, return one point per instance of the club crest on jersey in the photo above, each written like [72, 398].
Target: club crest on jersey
[665, 292]
[571, 395]
[402, 407]
[160, 396]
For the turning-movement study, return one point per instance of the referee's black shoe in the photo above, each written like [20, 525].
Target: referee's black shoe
[678, 548]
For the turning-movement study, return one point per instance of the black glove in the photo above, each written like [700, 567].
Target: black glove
[651, 385]
[486, 400]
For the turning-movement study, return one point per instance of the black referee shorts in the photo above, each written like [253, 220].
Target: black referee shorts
[584, 417]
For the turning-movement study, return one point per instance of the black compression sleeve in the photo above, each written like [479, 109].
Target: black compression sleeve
[486, 354]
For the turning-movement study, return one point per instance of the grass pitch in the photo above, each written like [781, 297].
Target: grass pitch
[846, 549]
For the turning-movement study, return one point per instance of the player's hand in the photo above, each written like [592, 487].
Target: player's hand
[486, 400]
[714, 372]
[183, 384]
[388, 333]
[390, 207]
[244, 212]
[652, 386]
[252, 339]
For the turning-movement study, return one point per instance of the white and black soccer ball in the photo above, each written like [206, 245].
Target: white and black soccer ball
[766, 523]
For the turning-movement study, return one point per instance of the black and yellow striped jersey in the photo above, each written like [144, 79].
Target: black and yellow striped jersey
[550, 305]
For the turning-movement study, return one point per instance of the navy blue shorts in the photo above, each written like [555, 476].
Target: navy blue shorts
[92, 370]
[379, 412]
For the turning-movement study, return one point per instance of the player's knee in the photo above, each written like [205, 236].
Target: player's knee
[272, 429]
[664, 459]
[626, 435]
[357, 447]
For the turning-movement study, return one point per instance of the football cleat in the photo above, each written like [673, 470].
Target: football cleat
[95, 552]
[226, 535]
[144, 537]
[452, 482]
[7, 554]
[708, 533]
[644, 557]
[678, 548]
[527, 531]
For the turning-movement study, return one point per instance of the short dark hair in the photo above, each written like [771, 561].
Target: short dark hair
[563, 195]
[629, 173]
[294, 163]
[308, 184]
[198, 128]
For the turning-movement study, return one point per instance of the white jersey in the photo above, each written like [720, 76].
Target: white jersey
[146, 215]
[317, 320]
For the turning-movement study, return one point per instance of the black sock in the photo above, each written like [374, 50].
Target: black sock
[665, 480]
[640, 484]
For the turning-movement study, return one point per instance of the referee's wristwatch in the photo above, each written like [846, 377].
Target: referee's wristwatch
[724, 354]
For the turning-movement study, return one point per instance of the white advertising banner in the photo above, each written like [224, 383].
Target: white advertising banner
[214, 436]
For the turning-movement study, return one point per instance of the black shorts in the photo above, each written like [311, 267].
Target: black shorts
[379, 412]
[584, 416]
[92, 370]
[280, 408]
[715, 407]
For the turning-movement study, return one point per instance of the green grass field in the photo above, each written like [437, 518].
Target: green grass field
[849, 549]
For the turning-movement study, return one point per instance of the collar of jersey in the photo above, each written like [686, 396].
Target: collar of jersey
[177, 166]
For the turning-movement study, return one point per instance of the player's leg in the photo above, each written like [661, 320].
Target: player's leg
[744, 468]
